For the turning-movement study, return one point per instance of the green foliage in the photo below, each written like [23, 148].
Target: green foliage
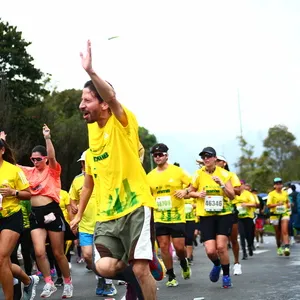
[22, 86]
[148, 140]
[68, 130]
[281, 158]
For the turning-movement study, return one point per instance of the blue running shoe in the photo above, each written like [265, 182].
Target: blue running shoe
[214, 274]
[100, 286]
[226, 282]
[109, 290]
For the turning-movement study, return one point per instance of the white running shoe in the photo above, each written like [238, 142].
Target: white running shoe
[237, 269]
[68, 291]
[48, 290]
[30, 291]
[292, 240]
[257, 245]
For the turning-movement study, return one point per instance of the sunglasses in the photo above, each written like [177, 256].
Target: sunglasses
[39, 158]
[158, 154]
[206, 155]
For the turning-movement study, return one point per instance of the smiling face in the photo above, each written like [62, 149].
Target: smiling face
[38, 160]
[160, 158]
[90, 106]
[208, 159]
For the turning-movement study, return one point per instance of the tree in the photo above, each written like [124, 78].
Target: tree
[280, 145]
[22, 86]
[148, 140]
[60, 112]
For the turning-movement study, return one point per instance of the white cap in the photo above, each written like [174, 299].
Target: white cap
[220, 157]
[82, 157]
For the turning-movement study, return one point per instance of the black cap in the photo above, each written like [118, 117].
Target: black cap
[160, 147]
[209, 150]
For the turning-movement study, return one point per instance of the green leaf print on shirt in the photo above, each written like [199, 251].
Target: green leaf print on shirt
[115, 205]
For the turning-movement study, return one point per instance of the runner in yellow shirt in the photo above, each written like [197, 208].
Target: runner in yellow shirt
[13, 187]
[123, 198]
[212, 188]
[167, 183]
[237, 267]
[86, 229]
[279, 205]
[245, 205]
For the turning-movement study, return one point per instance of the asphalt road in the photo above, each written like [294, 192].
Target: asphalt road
[265, 277]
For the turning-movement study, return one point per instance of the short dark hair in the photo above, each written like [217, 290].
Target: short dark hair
[293, 187]
[40, 149]
[90, 85]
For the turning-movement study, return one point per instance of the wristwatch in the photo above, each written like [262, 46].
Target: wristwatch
[17, 193]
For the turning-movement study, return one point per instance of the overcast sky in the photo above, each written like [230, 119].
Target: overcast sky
[178, 65]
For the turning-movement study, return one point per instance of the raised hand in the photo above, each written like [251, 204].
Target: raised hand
[86, 61]
[3, 135]
[46, 132]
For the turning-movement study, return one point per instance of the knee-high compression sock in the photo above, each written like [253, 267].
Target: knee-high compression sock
[128, 276]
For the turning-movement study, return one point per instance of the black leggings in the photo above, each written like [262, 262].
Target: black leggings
[246, 231]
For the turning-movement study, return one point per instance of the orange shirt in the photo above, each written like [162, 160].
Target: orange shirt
[46, 183]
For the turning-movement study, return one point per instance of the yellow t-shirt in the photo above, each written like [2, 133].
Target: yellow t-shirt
[163, 185]
[12, 176]
[235, 181]
[113, 161]
[245, 197]
[88, 221]
[64, 201]
[274, 197]
[214, 193]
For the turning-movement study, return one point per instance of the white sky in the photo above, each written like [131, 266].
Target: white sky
[178, 65]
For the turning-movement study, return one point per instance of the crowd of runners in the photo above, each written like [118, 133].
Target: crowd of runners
[119, 219]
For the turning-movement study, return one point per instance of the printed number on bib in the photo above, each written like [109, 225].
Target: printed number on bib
[213, 203]
[242, 210]
[164, 203]
[188, 208]
[280, 209]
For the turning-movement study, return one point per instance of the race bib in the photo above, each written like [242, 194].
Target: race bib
[164, 203]
[213, 203]
[188, 208]
[242, 210]
[280, 209]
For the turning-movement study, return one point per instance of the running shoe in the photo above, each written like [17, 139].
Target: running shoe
[190, 261]
[39, 273]
[226, 282]
[68, 291]
[257, 245]
[30, 291]
[80, 260]
[237, 269]
[187, 273]
[171, 283]
[214, 274]
[48, 290]
[250, 250]
[280, 251]
[109, 290]
[121, 282]
[286, 251]
[59, 282]
[53, 272]
[157, 267]
[100, 286]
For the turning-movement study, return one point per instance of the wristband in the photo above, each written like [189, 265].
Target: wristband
[47, 137]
